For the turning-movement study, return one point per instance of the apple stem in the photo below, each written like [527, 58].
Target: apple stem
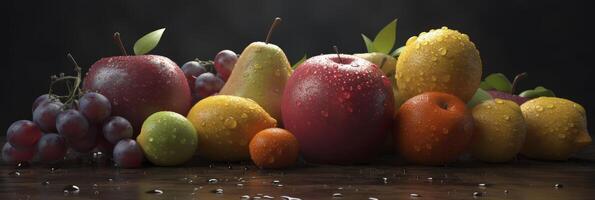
[275, 23]
[119, 43]
[516, 80]
[382, 63]
[338, 54]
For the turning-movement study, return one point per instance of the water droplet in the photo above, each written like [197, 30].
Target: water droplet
[230, 123]
[443, 51]
[482, 185]
[550, 106]
[372, 198]
[217, 191]
[155, 191]
[289, 198]
[444, 28]
[14, 173]
[240, 185]
[434, 58]
[150, 139]
[430, 179]
[558, 186]
[539, 108]
[213, 181]
[414, 195]
[324, 113]
[71, 189]
[477, 194]
[385, 180]
[46, 182]
[506, 117]
[245, 197]
[337, 195]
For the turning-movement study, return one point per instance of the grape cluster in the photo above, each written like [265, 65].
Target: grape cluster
[84, 126]
[201, 74]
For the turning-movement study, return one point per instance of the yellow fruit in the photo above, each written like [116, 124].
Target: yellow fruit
[500, 131]
[441, 60]
[556, 128]
[226, 124]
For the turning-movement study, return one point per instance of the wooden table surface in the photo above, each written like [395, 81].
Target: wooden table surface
[383, 179]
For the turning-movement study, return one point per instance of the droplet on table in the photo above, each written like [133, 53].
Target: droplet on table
[414, 195]
[71, 189]
[213, 181]
[46, 182]
[337, 195]
[245, 197]
[155, 191]
[477, 194]
[558, 186]
[217, 191]
[14, 173]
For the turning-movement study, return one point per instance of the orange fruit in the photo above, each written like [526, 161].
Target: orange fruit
[274, 148]
[433, 128]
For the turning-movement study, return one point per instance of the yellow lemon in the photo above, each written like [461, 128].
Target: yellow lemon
[226, 124]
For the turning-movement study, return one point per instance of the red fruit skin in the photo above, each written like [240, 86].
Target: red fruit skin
[339, 109]
[138, 86]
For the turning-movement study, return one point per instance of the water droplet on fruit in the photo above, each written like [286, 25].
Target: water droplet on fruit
[550, 106]
[244, 115]
[151, 139]
[506, 117]
[539, 108]
[230, 123]
[443, 51]
[434, 58]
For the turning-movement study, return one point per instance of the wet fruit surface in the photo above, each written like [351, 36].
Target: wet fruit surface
[339, 109]
[226, 124]
[433, 128]
[138, 86]
[274, 148]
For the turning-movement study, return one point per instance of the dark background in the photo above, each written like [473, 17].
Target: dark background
[549, 40]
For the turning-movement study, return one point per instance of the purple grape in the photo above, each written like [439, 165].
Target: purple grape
[72, 124]
[40, 100]
[51, 147]
[224, 63]
[45, 115]
[207, 84]
[128, 154]
[193, 69]
[87, 142]
[11, 155]
[117, 128]
[23, 135]
[95, 107]
[103, 145]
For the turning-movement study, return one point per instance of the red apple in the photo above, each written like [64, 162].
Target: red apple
[339, 108]
[138, 86]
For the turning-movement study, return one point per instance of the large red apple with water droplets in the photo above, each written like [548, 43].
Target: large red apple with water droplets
[339, 107]
[138, 86]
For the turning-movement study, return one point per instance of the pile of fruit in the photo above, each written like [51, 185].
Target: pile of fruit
[426, 99]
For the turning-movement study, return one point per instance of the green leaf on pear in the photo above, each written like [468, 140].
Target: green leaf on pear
[299, 61]
[479, 97]
[397, 52]
[148, 42]
[385, 39]
[369, 44]
[539, 91]
[499, 82]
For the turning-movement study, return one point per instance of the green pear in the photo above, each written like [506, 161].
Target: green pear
[260, 74]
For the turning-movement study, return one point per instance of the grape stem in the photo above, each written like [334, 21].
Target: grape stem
[73, 91]
[275, 23]
[337, 51]
[516, 80]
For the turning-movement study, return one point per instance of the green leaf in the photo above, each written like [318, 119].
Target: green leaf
[385, 39]
[479, 96]
[397, 52]
[483, 85]
[539, 91]
[499, 82]
[369, 44]
[299, 62]
[148, 42]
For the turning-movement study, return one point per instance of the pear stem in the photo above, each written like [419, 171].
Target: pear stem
[119, 43]
[275, 23]
[337, 51]
[516, 80]
[382, 63]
